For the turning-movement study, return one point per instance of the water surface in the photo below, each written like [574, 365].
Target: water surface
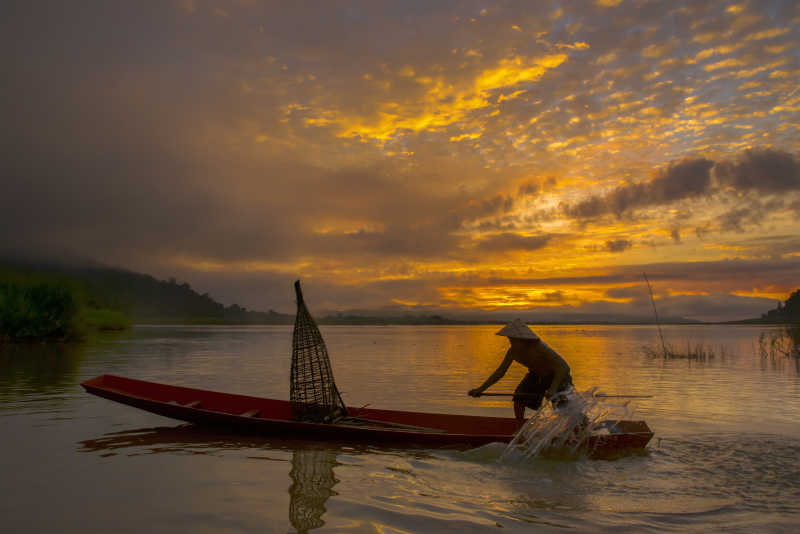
[725, 455]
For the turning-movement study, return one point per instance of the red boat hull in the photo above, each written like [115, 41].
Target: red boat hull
[273, 417]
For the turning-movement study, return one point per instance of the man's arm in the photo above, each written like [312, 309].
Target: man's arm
[494, 377]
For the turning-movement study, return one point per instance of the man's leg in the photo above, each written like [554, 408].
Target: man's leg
[519, 411]
[531, 393]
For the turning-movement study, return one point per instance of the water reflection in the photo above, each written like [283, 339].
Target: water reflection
[183, 438]
[312, 484]
[42, 369]
[37, 367]
[36, 377]
[780, 364]
[725, 452]
[311, 473]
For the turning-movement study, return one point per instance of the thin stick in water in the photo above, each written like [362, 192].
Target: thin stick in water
[655, 311]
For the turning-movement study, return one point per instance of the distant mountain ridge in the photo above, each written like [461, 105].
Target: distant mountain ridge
[367, 317]
[145, 299]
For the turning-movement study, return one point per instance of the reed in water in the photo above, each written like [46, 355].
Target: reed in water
[693, 351]
[785, 342]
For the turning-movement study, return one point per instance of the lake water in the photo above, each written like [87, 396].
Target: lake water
[725, 457]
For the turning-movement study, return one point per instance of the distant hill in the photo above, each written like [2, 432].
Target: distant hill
[145, 299]
[409, 319]
[377, 317]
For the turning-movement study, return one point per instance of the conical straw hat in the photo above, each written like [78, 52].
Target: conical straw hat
[517, 329]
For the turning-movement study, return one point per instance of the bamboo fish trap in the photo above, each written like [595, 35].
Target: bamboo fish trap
[313, 392]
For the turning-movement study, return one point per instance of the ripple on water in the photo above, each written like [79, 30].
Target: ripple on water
[760, 471]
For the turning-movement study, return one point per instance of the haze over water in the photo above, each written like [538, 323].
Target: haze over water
[724, 456]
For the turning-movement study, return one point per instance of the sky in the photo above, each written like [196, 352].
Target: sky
[527, 159]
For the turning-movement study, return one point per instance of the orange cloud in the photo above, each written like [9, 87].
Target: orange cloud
[442, 103]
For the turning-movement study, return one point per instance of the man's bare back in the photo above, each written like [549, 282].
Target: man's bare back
[539, 358]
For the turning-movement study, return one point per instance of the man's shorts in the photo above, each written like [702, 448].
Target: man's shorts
[532, 388]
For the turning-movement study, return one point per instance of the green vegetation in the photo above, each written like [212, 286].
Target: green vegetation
[147, 300]
[46, 310]
[101, 319]
[64, 302]
[37, 306]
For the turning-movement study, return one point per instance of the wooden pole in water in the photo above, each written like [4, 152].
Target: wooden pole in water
[599, 395]
[655, 311]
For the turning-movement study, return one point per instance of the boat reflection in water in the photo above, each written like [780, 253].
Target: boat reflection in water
[312, 484]
[311, 473]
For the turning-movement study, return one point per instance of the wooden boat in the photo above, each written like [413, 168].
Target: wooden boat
[273, 417]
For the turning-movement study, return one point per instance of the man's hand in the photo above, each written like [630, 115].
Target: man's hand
[475, 392]
[553, 395]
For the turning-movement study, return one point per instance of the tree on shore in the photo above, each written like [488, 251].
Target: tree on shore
[38, 311]
[786, 312]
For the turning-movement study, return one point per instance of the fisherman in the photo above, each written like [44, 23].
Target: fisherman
[548, 374]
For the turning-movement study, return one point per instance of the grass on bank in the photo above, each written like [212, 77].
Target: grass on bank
[105, 320]
[50, 309]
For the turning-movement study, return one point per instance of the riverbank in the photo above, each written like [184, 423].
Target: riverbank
[36, 309]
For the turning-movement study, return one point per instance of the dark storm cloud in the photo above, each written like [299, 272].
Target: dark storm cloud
[764, 170]
[685, 179]
[767, 246]
[736, 219]
[324, 295]
[618, 245]
[495, 204]
[426, 242]
[510, 242]
[749, 212]
[795, 207]
[125, 149]
[528, 189]
[767, 272]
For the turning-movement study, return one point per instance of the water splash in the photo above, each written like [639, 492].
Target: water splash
[563, 432]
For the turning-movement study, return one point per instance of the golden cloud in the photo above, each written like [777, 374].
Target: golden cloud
[767, 34]
[442, 103]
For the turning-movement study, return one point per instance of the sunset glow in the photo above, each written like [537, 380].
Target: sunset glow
[457, 157]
